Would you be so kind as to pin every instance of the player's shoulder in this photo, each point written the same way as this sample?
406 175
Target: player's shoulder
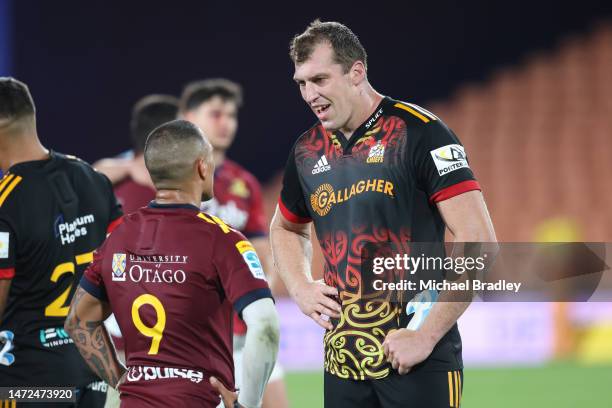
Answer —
412 114
76 165
213 223
27 181
219 228
421 124
310 141
11 186
311 134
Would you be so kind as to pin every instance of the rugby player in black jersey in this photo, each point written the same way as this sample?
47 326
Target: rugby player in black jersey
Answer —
55 210
372 169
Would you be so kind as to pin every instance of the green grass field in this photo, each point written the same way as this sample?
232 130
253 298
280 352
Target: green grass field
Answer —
559 385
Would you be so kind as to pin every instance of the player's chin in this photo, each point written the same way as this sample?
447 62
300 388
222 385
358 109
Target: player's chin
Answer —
329 124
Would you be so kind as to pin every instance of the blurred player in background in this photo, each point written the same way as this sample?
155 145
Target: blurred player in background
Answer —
213 104
55 210
171 275
136 189
372 169
128 172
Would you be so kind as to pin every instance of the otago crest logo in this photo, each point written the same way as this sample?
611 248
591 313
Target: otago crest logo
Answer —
324 196
118 266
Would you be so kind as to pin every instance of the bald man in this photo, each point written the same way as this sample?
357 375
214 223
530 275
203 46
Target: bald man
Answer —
172 275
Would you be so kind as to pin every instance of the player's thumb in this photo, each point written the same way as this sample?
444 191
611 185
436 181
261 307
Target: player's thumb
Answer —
217 385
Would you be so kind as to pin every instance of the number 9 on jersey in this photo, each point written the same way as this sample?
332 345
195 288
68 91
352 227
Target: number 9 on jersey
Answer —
155 332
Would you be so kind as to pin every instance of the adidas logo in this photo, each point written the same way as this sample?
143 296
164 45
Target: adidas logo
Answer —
321 166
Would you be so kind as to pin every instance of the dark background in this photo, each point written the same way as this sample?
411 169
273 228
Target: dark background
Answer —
87 62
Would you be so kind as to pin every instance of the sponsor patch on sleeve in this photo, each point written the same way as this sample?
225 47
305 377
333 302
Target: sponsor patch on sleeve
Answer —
449 158
250 257
4 245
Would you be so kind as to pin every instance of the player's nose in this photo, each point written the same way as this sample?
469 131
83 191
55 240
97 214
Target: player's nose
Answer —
310 93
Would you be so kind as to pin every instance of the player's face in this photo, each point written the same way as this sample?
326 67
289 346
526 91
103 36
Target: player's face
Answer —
325 87
218 118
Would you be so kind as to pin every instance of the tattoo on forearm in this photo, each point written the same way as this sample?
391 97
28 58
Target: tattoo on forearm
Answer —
94 344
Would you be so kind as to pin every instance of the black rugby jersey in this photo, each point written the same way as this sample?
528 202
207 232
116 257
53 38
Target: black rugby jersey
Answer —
379 186
53 214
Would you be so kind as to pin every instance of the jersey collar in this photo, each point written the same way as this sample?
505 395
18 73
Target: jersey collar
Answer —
45 164
153 204
364 127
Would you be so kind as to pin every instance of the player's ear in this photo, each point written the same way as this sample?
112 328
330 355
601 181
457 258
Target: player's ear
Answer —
204 168
357 73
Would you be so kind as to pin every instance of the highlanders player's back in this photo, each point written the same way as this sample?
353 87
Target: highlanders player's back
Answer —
173 276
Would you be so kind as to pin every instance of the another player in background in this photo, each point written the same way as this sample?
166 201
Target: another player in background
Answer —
171 275
55 210
127 171
136 189
372 169
213 104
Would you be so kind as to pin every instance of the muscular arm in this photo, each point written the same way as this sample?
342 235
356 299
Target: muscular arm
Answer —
467 217
260 350
292 253
85 324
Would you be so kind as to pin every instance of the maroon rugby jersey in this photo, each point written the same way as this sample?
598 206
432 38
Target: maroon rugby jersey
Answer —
133 195
171 275
238 200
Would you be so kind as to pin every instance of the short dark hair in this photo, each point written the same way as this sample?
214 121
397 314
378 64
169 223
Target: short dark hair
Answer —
147 114
171 150
197 92
347 47
15 99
